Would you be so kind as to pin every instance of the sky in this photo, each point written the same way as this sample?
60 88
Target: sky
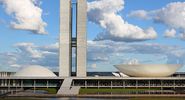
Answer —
118 31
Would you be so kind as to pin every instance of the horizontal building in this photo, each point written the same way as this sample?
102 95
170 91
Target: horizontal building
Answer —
6 74
154 85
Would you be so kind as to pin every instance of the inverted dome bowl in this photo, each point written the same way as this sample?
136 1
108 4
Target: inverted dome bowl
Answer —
148 70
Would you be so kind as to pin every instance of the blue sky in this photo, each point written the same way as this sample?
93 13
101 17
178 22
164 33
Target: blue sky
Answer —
107 44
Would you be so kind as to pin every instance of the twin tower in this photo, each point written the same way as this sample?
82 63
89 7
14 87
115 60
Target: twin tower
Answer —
73 18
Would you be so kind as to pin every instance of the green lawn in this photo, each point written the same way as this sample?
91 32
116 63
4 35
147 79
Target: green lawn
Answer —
159 98
21 98
114 90
49 90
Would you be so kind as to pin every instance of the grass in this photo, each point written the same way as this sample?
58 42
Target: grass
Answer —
22 98
159 98
114 90
49 90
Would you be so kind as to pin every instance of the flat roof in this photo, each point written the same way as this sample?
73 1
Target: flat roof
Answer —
100 78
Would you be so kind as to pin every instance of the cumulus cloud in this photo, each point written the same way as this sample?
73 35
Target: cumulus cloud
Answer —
27 15
93 66
27 49
170 33
170 54
172 15
132 61
30 54
142 14
98 57
105 14
100 54
182 36
15 65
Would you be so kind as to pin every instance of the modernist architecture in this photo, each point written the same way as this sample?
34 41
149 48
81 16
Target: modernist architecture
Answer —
145 80
148 70
34 71
67 41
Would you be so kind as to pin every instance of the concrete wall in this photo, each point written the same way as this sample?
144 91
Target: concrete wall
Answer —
65 38
81 37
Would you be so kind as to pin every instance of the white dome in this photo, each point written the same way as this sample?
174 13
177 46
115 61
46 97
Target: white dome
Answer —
148 70
35 71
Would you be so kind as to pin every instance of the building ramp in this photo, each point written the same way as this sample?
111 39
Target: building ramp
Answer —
66 88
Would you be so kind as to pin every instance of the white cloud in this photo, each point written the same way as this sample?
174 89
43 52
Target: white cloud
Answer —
15 65
26 14
172 15
30 54
132 61
142 14
93 66
182 36
97 57
102 53
170 33
105 14
110 49
28 49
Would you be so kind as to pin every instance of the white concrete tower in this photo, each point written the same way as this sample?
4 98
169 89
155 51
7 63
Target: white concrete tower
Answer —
65 39
81 38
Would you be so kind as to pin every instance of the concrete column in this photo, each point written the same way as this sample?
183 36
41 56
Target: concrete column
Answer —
161 86
123 84
111 84
16 89
21 84
85 84
65 39
2 82
81 38
98 84
47 84
8 84
73 83
174 85
34 83
13 83
149 84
